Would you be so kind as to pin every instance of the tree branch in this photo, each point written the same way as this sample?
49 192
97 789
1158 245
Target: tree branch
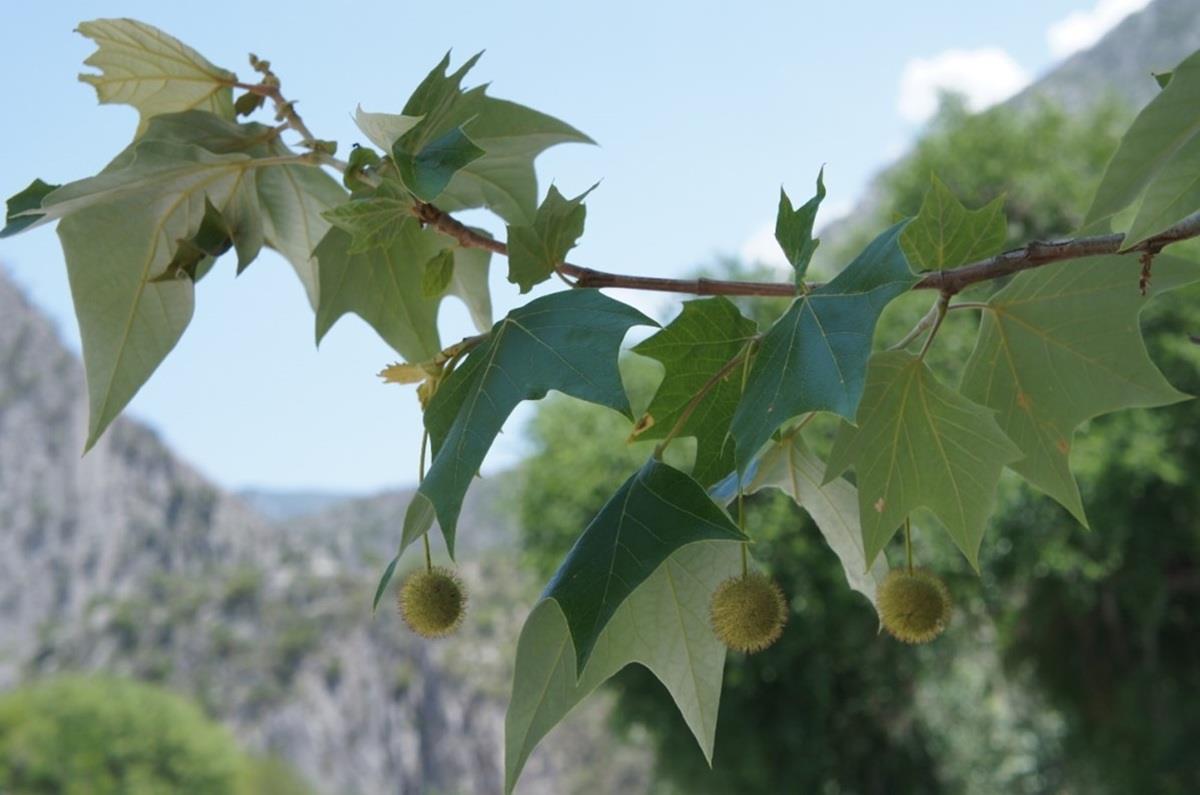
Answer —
948 282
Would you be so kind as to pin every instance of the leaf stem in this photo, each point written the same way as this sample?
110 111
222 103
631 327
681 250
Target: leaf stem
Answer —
940 309
908 543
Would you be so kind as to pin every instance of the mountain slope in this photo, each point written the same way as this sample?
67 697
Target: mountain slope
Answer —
128 561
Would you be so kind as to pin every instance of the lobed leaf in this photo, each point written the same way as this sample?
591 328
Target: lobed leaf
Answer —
945 234
654 513
920 444
794 228
789 466
535 250
815 357
511 136
692 349
567 341
663 625
155 73
1158 160
1060 345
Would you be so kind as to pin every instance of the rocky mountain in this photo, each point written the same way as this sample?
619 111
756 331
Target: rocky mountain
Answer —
127 561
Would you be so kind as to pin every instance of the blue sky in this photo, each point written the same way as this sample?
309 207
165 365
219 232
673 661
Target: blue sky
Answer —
701 110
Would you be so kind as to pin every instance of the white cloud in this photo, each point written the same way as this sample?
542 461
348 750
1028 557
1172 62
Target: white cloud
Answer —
984 76
1081 29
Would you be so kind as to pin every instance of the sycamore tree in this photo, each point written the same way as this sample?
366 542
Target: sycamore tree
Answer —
660 575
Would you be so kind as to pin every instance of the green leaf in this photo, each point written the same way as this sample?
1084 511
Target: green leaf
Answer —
662 625
155 73
383 582
382 286
946 234
536 249
128 323
794 228
706 335
20 204
815 357
469 283
654 513
1156 157
503 180
566 341
788 465
427 173
920 444
1162 78
372 221
1060 345
361 158
121 231
382 129
439 270
291 197
195 255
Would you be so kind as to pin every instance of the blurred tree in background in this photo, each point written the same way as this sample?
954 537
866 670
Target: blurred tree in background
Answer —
1073 664
96 736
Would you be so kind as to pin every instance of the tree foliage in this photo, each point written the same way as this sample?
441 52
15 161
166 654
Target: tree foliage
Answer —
196 182
96 736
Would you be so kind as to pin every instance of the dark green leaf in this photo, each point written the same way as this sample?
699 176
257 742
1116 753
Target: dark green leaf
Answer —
23 202
920 444
535 250
383 582
1162 78
815 357
946 234
438 273
248 103
195 254
427 173
705 336
653 514
794 228
566 341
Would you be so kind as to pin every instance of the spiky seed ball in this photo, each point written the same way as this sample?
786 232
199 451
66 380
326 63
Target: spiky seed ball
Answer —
914 605
748 612
432 602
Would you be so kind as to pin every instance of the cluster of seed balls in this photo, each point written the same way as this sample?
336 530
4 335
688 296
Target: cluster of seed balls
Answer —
748 612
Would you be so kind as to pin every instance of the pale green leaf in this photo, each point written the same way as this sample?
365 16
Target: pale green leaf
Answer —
155 73
1149 149
794 228
815 357
946 234
663 625
566 341
788 465
382 129
1060 345
692 349
536 250
372 221
382 286
469 283
920 444
655 512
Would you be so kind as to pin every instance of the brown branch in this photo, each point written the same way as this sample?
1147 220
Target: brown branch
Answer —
948 282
